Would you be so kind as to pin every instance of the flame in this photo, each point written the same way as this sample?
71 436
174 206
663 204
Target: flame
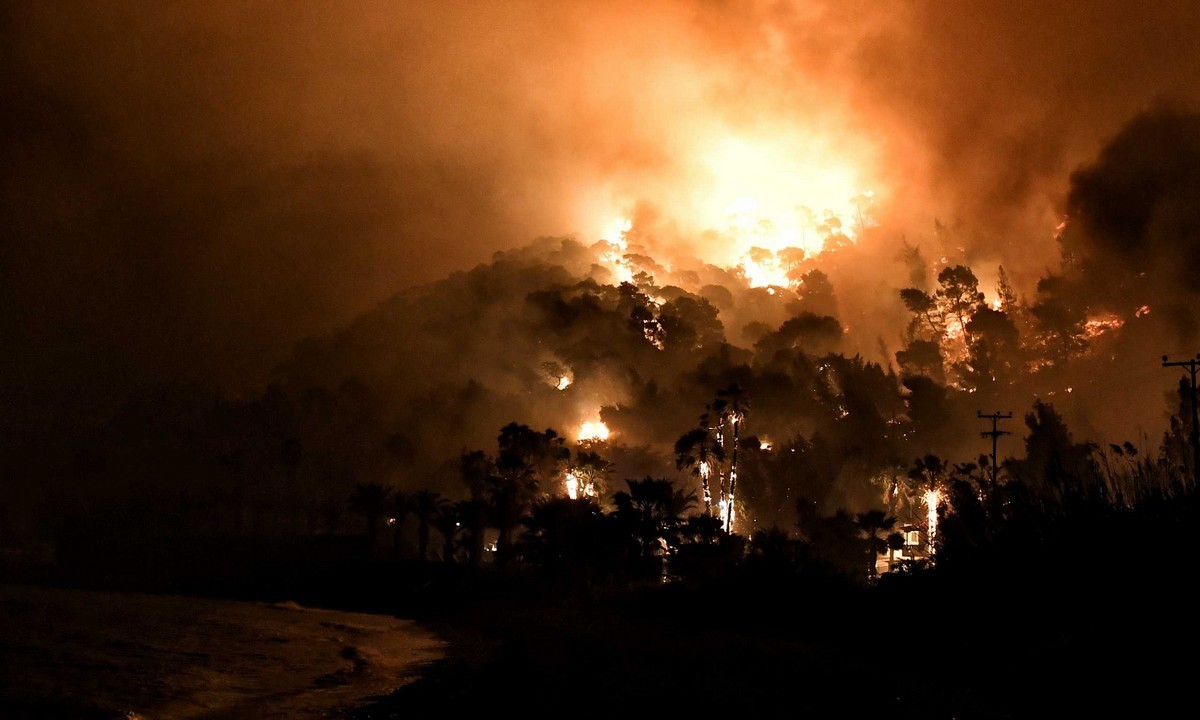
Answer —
578 487
932 498
764 445
593 430
773 190
564 382
615 232
705 469
722 505
1142 311
1100 324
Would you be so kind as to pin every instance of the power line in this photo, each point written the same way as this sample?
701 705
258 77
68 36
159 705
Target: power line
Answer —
994 433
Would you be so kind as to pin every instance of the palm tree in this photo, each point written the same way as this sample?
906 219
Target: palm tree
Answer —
652 511
371 501
473 515
871 524
526 458
590 471
701 530
426 505
564 535
697 452
510 491
449 524
401 508
733 406
928 476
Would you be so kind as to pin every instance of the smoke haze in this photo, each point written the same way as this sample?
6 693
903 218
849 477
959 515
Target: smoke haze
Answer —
188 189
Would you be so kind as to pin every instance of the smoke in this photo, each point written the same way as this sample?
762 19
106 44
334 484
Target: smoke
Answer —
190 188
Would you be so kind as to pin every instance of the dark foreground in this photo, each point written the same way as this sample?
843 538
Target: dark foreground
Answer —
70 653
1097 634
912 648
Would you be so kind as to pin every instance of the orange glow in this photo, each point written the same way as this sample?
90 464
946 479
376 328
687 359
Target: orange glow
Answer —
593 430
932 498
1100 324
756 195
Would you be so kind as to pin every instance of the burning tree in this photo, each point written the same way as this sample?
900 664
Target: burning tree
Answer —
699 452
731 407
588 473
928 479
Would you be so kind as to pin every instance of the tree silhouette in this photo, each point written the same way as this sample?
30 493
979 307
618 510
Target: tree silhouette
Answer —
570 538
652 512
526 459
591 472
371 500
400 507
426 505
697 452
448 522
872 524
958 293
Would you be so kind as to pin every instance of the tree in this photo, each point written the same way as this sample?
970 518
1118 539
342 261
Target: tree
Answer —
427 504
448 522
526 459
923 305
371 500
872 524
958 293
732 406
400 507
473 514
928 476
652 512
570 537
697 452
590 473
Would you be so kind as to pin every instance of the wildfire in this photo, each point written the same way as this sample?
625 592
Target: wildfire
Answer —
1100 324
726 505
933 497
613 256
615 232
576 487
593 431
772 198
1142 311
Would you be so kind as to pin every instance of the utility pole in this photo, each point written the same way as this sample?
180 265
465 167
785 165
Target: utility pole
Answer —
1192 365
994 433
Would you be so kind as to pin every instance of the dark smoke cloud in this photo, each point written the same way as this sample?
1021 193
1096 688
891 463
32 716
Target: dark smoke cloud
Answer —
189 188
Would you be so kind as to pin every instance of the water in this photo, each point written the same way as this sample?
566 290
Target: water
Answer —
87 654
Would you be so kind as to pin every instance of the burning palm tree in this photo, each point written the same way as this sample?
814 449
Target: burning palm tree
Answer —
698 452
732 405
